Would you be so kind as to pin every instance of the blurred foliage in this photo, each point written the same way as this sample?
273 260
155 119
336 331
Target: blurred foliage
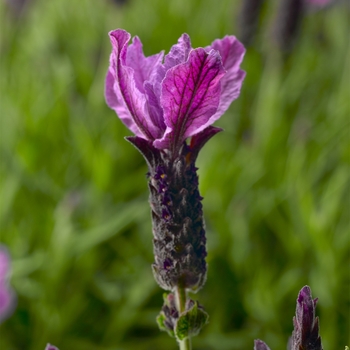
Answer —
74 210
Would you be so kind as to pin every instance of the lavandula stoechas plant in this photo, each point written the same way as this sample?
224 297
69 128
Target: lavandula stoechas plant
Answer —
164 102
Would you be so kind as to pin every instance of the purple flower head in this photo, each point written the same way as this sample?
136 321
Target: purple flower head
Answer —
167 101
306 329
7 296
51 347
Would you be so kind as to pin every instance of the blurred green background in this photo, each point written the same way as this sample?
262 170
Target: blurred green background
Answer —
74 211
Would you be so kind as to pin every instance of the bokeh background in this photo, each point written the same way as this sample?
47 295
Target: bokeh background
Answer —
74 212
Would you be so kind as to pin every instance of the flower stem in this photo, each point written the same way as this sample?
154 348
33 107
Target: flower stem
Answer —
181 297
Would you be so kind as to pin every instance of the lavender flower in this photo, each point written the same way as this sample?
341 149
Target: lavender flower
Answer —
306 329
51 347
260 345
7 296
168 102
163 104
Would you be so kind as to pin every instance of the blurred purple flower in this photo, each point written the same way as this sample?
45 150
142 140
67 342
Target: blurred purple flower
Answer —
167 102
306 329
7 296
51 347
260 345
319 2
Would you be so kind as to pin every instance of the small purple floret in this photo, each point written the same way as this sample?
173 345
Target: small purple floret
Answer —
168 100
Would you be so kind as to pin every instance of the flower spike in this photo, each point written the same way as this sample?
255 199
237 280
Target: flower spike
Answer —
306 329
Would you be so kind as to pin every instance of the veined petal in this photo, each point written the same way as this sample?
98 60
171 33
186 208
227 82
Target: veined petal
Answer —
145 70
121 92
179 52
116 102
154 109
232 53
144 67
190 96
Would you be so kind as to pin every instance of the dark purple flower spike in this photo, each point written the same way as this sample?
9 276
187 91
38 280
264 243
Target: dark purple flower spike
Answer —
306 329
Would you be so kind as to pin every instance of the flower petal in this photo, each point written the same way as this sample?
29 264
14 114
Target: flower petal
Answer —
232 53
121 92
118 105
144 67
154 109
190 96
179 52
145 70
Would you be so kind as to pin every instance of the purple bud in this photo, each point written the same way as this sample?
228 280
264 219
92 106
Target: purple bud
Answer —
306 329
260 345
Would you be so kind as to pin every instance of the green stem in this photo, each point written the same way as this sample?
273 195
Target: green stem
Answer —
181 297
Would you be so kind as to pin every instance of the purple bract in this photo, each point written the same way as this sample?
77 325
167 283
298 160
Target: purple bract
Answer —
167 101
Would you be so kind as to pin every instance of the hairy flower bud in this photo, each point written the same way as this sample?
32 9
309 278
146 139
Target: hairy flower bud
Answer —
177 216
306 329
178 227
